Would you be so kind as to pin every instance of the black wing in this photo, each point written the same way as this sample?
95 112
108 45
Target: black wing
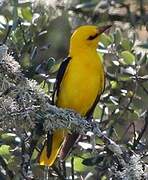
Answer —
59 77
89 113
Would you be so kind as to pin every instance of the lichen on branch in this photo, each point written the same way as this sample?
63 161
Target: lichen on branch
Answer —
23 104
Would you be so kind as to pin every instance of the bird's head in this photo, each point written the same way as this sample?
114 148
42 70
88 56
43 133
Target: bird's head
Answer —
86 36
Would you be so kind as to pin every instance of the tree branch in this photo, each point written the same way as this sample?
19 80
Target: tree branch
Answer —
25 107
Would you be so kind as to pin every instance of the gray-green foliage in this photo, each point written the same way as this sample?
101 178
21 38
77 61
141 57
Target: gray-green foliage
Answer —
37 34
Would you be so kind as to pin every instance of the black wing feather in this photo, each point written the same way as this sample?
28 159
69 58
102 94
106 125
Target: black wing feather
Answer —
89 114
59 77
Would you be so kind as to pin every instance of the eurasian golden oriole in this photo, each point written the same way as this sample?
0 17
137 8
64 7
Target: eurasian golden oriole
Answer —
79 84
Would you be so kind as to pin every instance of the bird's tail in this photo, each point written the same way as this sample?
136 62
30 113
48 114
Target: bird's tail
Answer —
69 142
52 147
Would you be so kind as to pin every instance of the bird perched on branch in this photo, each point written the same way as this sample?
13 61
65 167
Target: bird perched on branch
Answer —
79 84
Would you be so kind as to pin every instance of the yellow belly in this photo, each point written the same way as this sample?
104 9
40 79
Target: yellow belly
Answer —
82 82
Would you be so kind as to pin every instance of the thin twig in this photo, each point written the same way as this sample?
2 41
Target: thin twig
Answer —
60 176
62 167
23 33
46 174
102 114
72 168
136 141
142 11
7 34
24 168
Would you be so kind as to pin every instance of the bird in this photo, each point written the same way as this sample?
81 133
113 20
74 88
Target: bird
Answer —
79 83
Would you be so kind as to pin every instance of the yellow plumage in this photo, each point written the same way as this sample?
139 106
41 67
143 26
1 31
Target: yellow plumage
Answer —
58 136
82 82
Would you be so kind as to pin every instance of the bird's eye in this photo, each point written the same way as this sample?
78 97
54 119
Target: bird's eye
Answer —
92 36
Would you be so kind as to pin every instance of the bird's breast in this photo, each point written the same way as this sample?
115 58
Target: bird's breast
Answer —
82 82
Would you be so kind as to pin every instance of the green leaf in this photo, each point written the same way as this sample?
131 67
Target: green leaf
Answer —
34 155
126 44
26 60
44 86
50 63
104 178
105 39
128 57
113 84
78 166
117 36
26 13
124 77
99 141
97 113
14 163
78 163
92 161
55 67
5 151
8 137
